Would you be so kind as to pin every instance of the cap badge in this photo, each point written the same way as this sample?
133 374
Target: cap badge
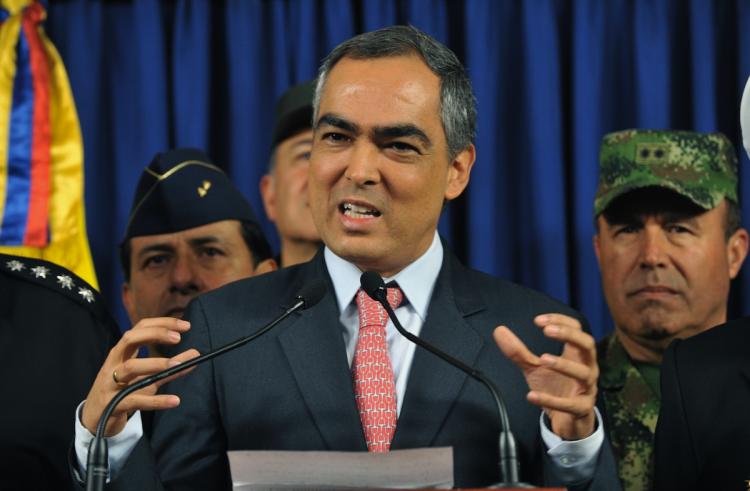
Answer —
203 188
652 153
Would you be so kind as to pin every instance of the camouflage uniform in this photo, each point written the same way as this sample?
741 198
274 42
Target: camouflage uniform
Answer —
631 408
702 168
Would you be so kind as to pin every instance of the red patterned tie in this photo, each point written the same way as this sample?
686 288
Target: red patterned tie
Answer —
374 387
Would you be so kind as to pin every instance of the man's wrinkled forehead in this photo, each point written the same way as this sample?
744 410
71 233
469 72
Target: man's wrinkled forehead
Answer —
352 76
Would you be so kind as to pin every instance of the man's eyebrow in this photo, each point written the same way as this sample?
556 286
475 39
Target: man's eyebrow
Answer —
201 241
382 132
336 122
402 131
155 248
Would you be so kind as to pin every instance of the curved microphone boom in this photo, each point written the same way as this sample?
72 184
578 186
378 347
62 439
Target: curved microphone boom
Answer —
374 286
97 460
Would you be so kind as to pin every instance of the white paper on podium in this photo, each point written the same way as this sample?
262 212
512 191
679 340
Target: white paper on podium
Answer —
254 470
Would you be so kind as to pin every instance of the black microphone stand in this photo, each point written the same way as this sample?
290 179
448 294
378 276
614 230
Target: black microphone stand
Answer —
508 465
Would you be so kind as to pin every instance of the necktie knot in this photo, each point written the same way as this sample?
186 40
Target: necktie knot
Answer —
371 312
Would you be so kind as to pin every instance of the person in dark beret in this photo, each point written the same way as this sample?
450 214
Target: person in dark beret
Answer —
54 335
284 187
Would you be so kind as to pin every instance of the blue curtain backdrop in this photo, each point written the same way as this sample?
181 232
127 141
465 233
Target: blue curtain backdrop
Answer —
551 77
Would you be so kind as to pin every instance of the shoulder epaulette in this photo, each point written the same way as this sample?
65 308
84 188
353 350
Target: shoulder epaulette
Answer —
53 277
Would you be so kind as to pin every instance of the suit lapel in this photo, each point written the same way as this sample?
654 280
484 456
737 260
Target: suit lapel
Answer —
433 384
314 348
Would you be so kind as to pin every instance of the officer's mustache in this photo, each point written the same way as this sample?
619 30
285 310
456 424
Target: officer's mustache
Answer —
654 281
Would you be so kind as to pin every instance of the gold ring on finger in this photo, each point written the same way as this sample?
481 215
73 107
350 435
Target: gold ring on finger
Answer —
119 382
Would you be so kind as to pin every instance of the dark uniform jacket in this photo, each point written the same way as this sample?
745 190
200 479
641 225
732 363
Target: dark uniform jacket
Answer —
292 388
703 434
54 335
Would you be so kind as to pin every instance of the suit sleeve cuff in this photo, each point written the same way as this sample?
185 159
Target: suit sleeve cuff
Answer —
119 446
574 460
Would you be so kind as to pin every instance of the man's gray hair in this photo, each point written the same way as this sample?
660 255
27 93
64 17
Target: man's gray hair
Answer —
457 104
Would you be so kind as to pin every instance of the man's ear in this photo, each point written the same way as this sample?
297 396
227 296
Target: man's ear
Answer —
266 266
737 246
459 171
268 194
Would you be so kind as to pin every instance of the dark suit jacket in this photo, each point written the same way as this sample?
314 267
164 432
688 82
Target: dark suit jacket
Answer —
52 343
703 434
292 388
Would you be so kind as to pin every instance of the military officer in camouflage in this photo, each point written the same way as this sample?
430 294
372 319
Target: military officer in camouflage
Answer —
668 241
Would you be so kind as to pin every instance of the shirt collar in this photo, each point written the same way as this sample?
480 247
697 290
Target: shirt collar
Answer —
417 280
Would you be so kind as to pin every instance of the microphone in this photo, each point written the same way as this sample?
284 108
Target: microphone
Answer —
97 459
374 286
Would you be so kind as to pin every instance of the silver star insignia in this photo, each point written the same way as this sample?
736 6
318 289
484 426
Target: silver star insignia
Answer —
15 265
65 281
40 271
87 294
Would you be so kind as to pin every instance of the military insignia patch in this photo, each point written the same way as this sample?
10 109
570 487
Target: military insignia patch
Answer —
203 188
40 271
15 265
87 294
651 153
65 281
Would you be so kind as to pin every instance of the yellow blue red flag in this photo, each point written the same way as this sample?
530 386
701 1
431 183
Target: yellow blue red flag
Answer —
41 151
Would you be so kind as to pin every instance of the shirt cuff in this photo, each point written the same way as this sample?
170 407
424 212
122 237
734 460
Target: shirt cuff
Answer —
575 460
119 447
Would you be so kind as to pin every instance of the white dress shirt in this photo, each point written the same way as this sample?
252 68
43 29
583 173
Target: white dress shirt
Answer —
575 460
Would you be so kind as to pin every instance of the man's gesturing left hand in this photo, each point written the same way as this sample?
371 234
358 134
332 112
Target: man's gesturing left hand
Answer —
564 386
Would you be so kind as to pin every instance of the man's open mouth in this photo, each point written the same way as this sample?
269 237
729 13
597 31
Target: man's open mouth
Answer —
354 210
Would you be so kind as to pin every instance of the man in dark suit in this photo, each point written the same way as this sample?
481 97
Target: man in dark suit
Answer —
54 335
393 140
703 429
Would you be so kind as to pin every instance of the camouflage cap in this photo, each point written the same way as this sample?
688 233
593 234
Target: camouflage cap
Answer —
700 166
